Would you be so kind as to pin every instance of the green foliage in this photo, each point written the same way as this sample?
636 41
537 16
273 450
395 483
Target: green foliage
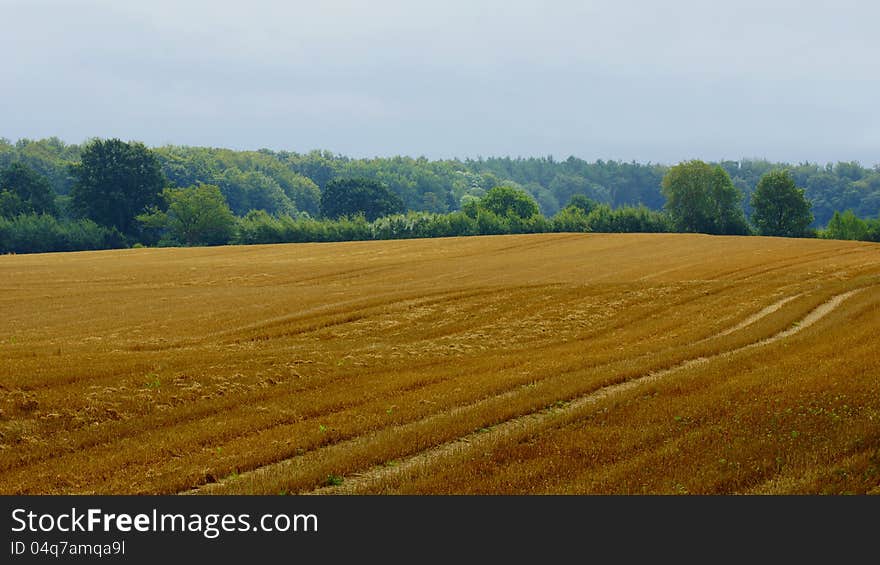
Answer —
333 480
11 204
197 215
248 179
566 186
285 186
441 186
349 197
575 216
603 219
509 202
547 201
872 233
421 184
701 198
583 203
259 227
51 158
24 191
470 205
571 219
846 226
533 224
115 182
780 208
423 224
610 182
153 382
253 190
42 233
490 223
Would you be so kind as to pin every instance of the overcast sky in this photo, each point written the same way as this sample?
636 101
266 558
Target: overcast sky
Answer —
631 80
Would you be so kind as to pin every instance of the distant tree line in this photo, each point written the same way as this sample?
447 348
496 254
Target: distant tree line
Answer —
110 193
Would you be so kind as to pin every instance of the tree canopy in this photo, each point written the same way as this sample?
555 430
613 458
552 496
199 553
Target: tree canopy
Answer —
444 185
701 198
846 225
779 207
582 203
350 197
508 201
115 182
24 191
197 215
281 192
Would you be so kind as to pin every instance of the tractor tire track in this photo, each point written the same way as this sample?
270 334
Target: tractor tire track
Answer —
482 440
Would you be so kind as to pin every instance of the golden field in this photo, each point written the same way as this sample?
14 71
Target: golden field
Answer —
552 363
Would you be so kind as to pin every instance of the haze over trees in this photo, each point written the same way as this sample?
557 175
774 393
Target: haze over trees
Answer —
440 185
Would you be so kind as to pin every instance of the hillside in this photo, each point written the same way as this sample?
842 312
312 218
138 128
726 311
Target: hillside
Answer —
561 363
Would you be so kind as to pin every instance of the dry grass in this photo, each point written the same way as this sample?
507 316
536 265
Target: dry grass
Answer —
270 368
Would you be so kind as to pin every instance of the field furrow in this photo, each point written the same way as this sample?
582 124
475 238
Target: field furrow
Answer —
290 368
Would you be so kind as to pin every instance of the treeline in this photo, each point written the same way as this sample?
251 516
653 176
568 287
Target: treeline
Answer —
282 182
109 193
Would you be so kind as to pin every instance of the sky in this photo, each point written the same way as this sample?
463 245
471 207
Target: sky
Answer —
628 80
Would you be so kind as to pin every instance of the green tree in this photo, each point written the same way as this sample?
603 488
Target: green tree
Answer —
198 215
353 196
779 207
564 186
873 230
304 193
253 190
575 216
115 182
582 203
508 201
701 198
10 204
846 226
24 191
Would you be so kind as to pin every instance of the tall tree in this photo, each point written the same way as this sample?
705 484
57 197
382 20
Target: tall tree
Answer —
24 191
780 208
348 197
115 182
702 198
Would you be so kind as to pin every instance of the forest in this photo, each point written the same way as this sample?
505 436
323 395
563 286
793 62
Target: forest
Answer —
56 196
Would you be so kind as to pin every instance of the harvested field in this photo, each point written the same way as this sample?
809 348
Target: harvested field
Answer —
551 363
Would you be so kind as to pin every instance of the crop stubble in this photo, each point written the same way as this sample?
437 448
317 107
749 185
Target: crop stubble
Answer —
271 368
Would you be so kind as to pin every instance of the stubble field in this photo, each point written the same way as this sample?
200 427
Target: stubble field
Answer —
552 363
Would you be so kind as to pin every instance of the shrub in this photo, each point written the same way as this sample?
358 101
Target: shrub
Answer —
42 233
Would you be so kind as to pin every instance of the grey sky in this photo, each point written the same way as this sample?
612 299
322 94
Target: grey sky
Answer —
649 81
